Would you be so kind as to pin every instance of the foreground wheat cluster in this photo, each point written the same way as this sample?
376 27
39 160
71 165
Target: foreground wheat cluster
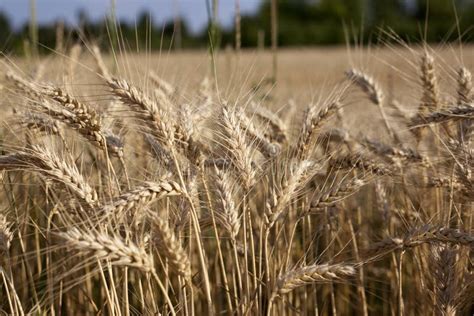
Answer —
163 202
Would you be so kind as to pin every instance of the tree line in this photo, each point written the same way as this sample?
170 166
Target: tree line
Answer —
300 23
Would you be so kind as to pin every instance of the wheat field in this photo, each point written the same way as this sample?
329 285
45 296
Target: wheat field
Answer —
176 183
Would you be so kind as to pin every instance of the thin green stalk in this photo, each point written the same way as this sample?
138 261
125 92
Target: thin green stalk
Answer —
33 28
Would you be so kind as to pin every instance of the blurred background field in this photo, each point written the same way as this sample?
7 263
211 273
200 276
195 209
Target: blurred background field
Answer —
305 75
185 24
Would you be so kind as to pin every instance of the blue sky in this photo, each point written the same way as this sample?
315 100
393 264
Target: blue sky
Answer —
193 11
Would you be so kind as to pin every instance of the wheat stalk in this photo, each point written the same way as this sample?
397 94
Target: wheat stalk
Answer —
162 84
103 71
465 97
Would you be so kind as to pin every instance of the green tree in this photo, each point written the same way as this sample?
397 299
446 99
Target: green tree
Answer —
5 31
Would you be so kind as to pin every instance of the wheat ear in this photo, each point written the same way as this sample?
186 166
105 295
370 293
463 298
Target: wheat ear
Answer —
169 246
54 168
367 84
27 87
74 113
391 152
335 195
85 120
40 123
313 120
105 247
455 113
239 150
361 163
142 196
318 273
423 235
229 216
278 199
156 120
443 266
430 100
